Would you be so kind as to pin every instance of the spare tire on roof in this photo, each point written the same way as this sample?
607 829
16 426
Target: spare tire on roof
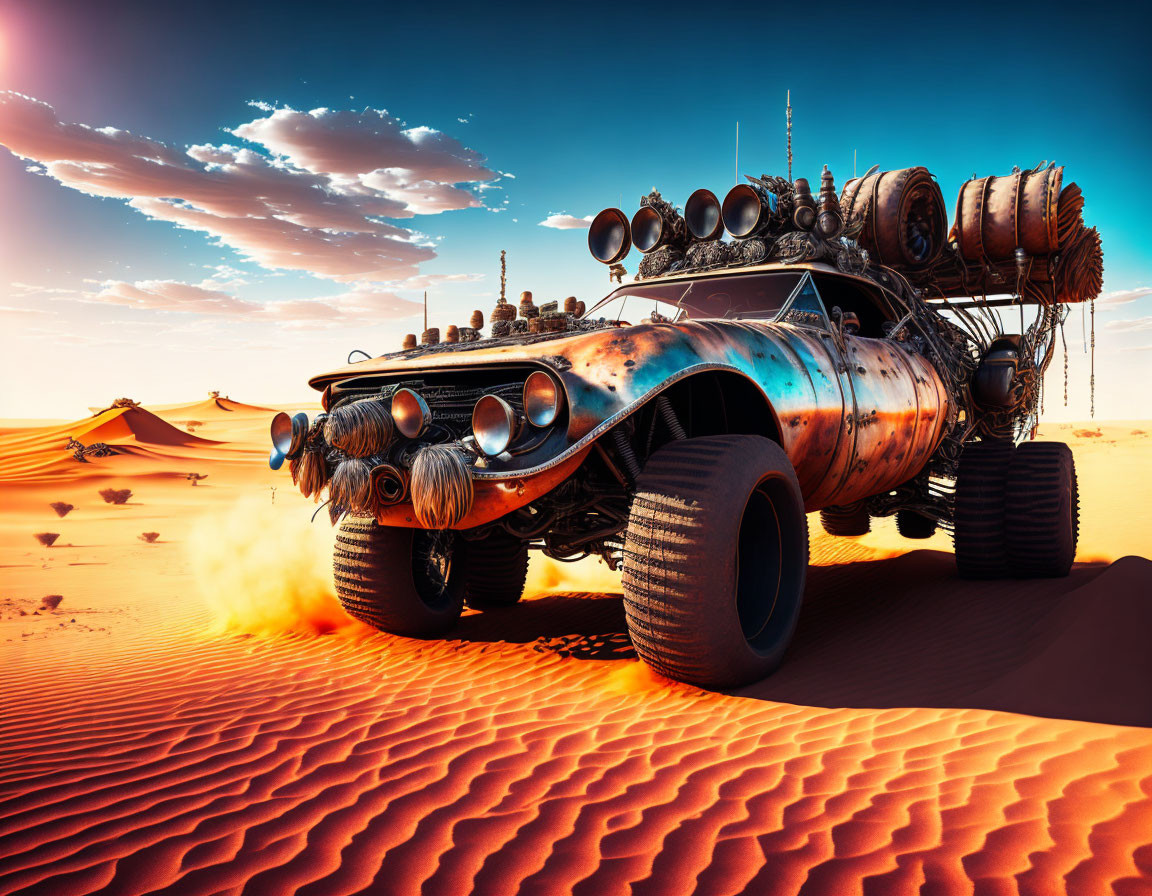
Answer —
899 216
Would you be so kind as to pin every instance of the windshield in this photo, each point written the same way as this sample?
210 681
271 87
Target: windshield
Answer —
748 296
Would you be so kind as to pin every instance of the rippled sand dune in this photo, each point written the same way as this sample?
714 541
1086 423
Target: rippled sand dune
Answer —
197 717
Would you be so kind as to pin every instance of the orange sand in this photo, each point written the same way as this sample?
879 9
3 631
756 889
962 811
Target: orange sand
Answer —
197 714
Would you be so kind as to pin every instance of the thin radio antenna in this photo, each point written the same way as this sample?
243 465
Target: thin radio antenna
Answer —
737 152
789 117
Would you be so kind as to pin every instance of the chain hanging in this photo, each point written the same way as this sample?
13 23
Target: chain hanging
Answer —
1092 378
1064 342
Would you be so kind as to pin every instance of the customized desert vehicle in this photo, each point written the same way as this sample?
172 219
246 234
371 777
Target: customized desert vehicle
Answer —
838 353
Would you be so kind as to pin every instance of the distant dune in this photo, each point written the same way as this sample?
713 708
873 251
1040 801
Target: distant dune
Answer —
926 734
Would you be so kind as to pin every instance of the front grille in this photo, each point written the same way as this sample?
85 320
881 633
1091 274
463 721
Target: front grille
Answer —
451 394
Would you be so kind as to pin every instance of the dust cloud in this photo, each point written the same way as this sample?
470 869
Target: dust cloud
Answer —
263 568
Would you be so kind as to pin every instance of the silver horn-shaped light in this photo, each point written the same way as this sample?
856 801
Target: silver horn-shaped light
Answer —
747 210
608 236
702 215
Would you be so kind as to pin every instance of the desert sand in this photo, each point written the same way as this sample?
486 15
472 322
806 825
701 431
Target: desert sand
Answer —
197 715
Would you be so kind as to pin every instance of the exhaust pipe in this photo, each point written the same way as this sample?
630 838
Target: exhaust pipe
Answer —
389 484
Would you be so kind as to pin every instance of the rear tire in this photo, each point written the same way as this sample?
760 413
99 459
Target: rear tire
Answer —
978 536
911 524
403 581
715 560
1042 511
850 520
497 568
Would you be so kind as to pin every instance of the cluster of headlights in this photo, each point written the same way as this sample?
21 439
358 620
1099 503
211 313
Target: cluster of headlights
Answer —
496 424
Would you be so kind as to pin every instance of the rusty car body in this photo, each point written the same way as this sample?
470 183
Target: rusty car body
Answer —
779 373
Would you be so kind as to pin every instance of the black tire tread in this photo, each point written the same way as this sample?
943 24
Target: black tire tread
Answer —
497 570
846 521
1042 510
372 569
672 567
978 534
911 524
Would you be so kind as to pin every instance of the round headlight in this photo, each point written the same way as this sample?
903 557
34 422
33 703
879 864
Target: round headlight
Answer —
494 425
410 412
542 398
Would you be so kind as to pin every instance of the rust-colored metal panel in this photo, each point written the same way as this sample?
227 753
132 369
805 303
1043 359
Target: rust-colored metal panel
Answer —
899 416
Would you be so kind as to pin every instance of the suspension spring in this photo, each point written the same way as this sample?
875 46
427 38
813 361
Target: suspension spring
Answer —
627 453
670 419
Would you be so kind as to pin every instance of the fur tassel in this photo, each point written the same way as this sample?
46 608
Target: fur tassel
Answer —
360 428
350 488
310 472
441 487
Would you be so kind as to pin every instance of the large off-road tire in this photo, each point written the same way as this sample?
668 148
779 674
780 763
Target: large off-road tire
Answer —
1042 510
978 534
715 560
497 568
404 581
911 524
850 520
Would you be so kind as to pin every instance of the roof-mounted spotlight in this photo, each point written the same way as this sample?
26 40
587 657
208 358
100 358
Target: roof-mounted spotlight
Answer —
609 239
748 209
703 216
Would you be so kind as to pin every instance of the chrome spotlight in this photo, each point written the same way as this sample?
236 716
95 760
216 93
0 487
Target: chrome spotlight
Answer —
495 424
702 215
411 413
747 210
608 237
543 398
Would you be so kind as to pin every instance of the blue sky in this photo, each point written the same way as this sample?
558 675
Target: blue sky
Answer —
584 106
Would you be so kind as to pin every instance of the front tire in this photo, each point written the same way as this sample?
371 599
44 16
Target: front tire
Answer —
715 560
399 580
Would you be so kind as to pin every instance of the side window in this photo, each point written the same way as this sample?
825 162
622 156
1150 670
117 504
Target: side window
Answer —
804 308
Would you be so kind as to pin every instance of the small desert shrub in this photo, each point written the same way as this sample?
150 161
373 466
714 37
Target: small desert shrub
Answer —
196 477
47 538
115 495
148 537
51 601
62 508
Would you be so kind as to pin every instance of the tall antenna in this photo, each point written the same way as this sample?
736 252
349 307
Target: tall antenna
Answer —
504 275
789 114
737 152
425 309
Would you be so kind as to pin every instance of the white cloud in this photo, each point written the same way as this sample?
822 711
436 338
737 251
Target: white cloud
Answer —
1134 325
1122 297
561 221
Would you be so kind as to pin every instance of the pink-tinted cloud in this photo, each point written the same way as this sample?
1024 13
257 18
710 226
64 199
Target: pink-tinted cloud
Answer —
566 222
314 202
362 304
